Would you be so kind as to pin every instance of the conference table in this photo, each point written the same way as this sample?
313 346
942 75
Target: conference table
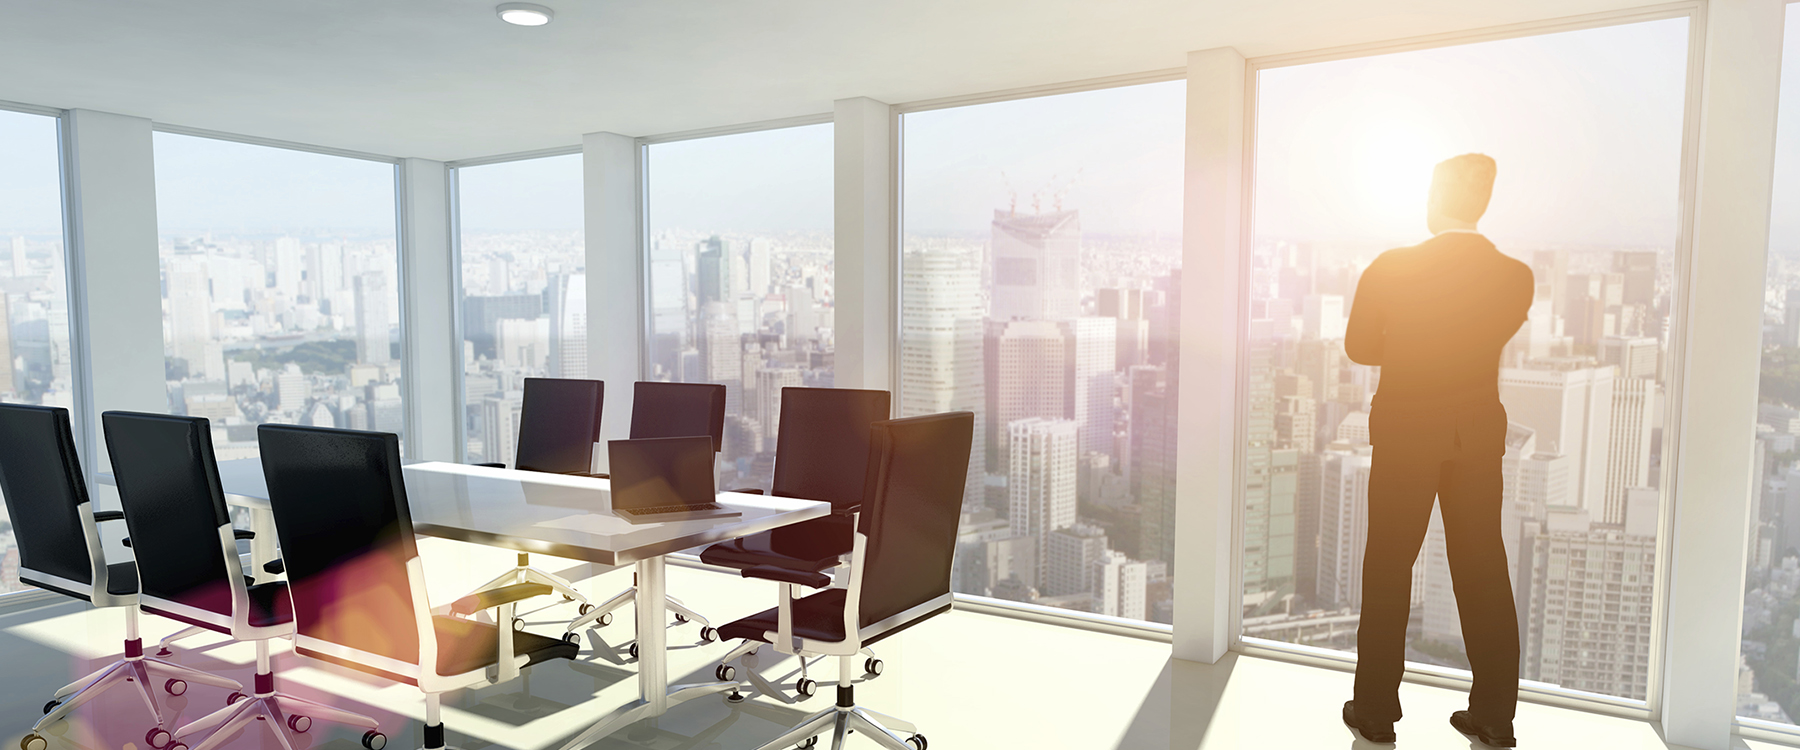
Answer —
558 515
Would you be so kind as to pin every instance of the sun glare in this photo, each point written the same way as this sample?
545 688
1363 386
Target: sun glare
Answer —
1392 160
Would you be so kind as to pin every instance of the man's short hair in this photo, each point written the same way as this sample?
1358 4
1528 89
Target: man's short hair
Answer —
1462 185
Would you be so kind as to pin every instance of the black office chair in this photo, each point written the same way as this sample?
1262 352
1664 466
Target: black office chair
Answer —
357 584
59 550
559 423
660 410
900 564
189 570
822 455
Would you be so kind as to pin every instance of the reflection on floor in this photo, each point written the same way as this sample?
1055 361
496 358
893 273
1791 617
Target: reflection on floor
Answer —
967 680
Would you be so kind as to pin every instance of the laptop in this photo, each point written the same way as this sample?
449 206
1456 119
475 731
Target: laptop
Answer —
659 480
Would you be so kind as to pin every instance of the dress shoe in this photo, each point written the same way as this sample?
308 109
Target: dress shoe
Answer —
1371 730
1492 736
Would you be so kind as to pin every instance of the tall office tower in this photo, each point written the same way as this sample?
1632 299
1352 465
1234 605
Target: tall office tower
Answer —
1324 316
1132 335
941 347
325 271
1093 371
1635 356
1071 554
769 382
1027 376
523 343
1343 523
292 389
386 412
569 327
1588 623
8 385
669 307
1153 461
1164 313
482 316
1550 269
1270 481
1296 413
372 333
289 263
714 272
499 274
1628 447
1571 412
1638 270
722 355
1036 269
1306 527
1323 362
1119 586
190 315
804 320
500 426
1041 479
19 269
757 258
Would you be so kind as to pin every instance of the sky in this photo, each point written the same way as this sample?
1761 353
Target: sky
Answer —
1585 127
204 184
30 197
532 194
769 180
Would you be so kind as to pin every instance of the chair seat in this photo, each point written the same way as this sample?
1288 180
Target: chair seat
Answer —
467 645
122 578
270 605
819 617
812 546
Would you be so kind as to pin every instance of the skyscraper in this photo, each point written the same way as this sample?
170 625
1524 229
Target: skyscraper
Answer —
1343 522
500 426
568 327
1036 267
1570 409
1635 356
19 269
941 347
190 314
715 272
1028 376
1628 447
288 266
1092 369
1042 479
372 328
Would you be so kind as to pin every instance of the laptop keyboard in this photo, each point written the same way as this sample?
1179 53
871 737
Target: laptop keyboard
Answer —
671 509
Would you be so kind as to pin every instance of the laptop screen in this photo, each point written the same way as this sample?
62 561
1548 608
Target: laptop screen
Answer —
654 472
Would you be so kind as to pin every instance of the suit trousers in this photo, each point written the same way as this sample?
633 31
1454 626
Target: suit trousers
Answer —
1455 457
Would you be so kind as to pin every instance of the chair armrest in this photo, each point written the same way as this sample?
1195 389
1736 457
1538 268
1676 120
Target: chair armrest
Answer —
748 491
592 474
243 534
109 515
849 512
788 575
491 598
274 567
491 466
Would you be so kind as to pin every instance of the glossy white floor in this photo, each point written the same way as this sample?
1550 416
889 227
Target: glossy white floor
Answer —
968 681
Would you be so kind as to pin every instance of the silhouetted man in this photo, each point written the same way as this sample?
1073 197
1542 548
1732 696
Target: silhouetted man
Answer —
1434 317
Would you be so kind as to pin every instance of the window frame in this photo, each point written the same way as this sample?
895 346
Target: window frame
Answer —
1694 11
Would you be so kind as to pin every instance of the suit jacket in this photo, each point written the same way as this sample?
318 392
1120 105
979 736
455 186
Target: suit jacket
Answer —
1434 317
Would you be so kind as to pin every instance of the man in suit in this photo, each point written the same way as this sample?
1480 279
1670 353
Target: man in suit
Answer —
1434 317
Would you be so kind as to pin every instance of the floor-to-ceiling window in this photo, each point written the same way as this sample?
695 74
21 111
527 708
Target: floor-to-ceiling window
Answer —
739 271
524 290
1586 128
1770 656
1040 280
34 291
281 288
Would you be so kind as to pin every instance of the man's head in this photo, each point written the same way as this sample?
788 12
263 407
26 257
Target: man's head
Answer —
1460 189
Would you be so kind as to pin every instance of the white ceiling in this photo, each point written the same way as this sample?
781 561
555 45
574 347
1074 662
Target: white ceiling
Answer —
446 79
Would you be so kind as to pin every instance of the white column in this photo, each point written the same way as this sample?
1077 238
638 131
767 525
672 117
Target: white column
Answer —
1719 371
615 276
1208 448
115 294
428 317
864 258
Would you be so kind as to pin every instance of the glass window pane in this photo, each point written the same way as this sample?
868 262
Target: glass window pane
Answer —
1586 130
34 292
1040 277
740 243
281 294
524 287
1771 633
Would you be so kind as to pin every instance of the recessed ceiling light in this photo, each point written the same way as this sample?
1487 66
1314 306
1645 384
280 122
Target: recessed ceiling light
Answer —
525 14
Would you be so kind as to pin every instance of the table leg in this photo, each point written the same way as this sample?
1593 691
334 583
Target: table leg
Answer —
652 635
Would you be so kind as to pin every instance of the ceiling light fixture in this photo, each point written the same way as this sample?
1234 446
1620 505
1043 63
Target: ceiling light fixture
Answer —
525 14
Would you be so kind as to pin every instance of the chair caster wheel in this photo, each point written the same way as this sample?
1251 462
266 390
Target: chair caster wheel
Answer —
806 688
584 609
158 737
811 742
374 740
574 638
175 687
299 723
234 698
917 741
176 746
518 625
604 620
51 706
725 673
708 635
33 742
680 619
872 666
567 598
634 651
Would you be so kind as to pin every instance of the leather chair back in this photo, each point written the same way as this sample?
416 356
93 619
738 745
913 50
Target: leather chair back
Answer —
823 454
660 410
169 489
910 511
559 423
41 479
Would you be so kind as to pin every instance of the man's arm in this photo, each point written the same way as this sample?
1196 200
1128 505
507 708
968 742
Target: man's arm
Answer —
1366 335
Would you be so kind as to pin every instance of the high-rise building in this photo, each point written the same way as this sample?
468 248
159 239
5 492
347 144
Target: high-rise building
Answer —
1120 585
769 382
1036 266
1324 316
568 327
325 275
1343 522
1628 447
1132 330
482 316
190 314
1296 413
1271 477
1071 554
1589 618
289 263
500 426
1638 272
941 347
1635 356
1027 376
1042 479
1153 460
1093 367
715 272
1570 409
372 327
292 389
19 268
722 355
